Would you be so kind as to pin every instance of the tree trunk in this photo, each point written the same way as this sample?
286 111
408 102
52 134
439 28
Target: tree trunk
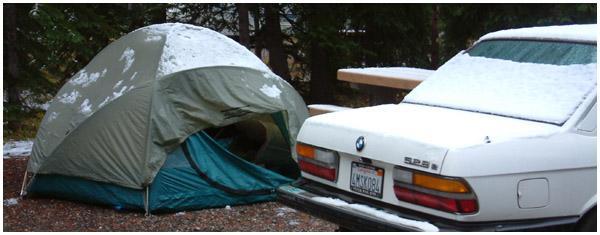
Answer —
159 15
274 40
135 11
12 59
258 41
321 86
244 24
435 55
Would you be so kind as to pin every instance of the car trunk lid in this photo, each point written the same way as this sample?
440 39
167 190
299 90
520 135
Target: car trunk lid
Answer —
411 135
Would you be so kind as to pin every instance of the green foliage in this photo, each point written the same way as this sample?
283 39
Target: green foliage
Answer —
56 40
464 23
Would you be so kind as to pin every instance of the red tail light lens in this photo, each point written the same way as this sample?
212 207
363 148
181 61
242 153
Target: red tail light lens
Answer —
316 161
328 173
436 202
441 193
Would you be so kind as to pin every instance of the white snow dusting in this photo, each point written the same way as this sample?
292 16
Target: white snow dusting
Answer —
118 84
119 93
129 57
84 79
417 123
153 38
270 91
133 76
328 107
188 47
11 201
281 211
541 92
69 98
17 148
104 102
563 32
424 226
52 116
293 222
86 107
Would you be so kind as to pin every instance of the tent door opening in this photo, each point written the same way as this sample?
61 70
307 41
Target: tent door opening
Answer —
262 140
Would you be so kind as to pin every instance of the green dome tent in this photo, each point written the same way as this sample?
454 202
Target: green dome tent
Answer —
169 117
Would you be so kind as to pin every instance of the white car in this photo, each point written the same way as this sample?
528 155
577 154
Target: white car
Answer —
501 137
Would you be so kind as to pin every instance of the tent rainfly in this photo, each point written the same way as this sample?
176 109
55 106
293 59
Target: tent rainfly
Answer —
169 117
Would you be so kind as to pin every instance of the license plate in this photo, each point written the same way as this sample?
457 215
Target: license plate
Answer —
366 179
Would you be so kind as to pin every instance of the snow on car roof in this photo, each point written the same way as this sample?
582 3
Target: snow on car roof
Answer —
585 32
539 92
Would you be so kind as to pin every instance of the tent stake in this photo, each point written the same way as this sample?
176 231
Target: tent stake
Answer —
23 185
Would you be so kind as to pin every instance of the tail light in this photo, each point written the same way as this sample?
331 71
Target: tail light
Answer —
441 193
318 162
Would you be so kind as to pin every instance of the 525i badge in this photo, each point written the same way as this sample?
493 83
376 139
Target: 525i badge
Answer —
420 163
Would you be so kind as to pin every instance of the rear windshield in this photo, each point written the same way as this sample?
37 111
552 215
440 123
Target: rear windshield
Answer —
540 81
539 52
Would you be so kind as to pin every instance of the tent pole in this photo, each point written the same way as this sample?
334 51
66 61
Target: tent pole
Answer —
23 185
146 202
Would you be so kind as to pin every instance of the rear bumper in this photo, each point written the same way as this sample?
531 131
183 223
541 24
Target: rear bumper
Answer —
299 195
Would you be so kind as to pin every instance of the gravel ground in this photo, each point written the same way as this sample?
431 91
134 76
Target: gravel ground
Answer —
45 214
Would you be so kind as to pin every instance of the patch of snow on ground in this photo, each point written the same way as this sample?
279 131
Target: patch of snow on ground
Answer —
69 98
103 72
394 72
281 211
427 227
227 207
86 107
17 148
541 92
11 201
128 56
188 46
270 91
293 222
180 213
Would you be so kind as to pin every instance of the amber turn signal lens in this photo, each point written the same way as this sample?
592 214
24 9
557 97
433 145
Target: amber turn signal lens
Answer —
305 150
439 184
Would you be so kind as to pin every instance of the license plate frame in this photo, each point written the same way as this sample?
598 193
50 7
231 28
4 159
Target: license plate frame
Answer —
373 189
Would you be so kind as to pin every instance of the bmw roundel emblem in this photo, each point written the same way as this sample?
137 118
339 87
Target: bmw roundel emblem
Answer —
360 143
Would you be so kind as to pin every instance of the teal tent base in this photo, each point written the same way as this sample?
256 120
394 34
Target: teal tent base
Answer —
78 189
209 176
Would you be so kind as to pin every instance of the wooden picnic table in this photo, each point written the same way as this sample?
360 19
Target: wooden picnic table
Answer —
380 82
392 77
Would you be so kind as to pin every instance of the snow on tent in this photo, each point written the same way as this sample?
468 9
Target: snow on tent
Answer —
169 117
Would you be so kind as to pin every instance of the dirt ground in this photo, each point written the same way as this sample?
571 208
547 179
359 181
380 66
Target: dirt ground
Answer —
46 214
